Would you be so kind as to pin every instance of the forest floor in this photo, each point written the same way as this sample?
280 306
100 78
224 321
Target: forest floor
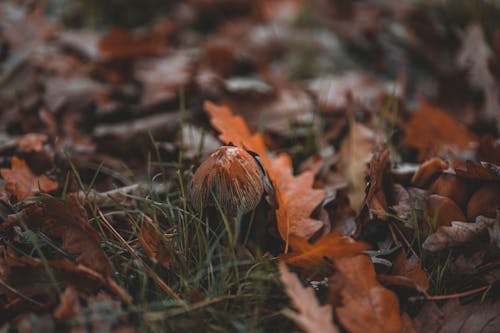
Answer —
361 194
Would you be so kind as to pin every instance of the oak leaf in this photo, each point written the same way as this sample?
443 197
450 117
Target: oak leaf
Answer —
23 183
433 132
66 220
311 316
305 254
366 305
294 195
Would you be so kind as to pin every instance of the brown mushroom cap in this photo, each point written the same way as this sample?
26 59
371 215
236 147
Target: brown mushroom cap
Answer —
484 201
234 178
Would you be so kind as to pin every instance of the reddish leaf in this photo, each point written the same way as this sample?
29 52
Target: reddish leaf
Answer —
149 236
295 196
406 272
32 142
375 199
366 305
311 316
434 132
67 220
120 43
69 305
331 245
23 183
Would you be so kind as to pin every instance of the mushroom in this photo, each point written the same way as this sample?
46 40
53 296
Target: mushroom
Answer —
230 178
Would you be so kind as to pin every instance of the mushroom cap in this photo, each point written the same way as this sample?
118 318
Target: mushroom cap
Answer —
230 177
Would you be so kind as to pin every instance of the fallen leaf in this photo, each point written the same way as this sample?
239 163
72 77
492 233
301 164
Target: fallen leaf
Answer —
294 195
149 237
406 272
355 153
66 220
479 170
475 57
296 200
434 132
120 43
163 78
32 142
333 245
460 233
311 316
29 277
428 172
69 305
375 198
23 183
366 305
478 316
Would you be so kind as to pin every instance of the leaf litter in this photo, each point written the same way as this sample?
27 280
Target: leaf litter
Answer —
375 125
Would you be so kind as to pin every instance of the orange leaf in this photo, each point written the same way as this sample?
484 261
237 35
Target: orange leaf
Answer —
305 254
366 305
23 183
311 316
295 196
433 132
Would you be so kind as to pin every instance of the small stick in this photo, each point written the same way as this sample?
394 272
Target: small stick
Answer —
450 296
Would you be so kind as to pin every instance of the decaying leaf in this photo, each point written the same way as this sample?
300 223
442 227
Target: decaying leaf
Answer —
355 153
406 272
67 220
460 233
453 317
149 237
311 316
332 245
366 305
23 183
69 305
375 198
296 200
434 132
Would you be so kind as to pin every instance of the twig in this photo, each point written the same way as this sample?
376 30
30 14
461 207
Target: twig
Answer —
450 296
102 198
13 290
148 269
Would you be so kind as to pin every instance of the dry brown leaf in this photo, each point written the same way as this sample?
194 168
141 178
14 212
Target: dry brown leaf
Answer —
366 305
434 132
478 316
460 233
331 245
375 198
120 43
149 237
428 171
23 183
294 194
311 316
355 153
29 277
406 272
32 142
69 305
67 220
